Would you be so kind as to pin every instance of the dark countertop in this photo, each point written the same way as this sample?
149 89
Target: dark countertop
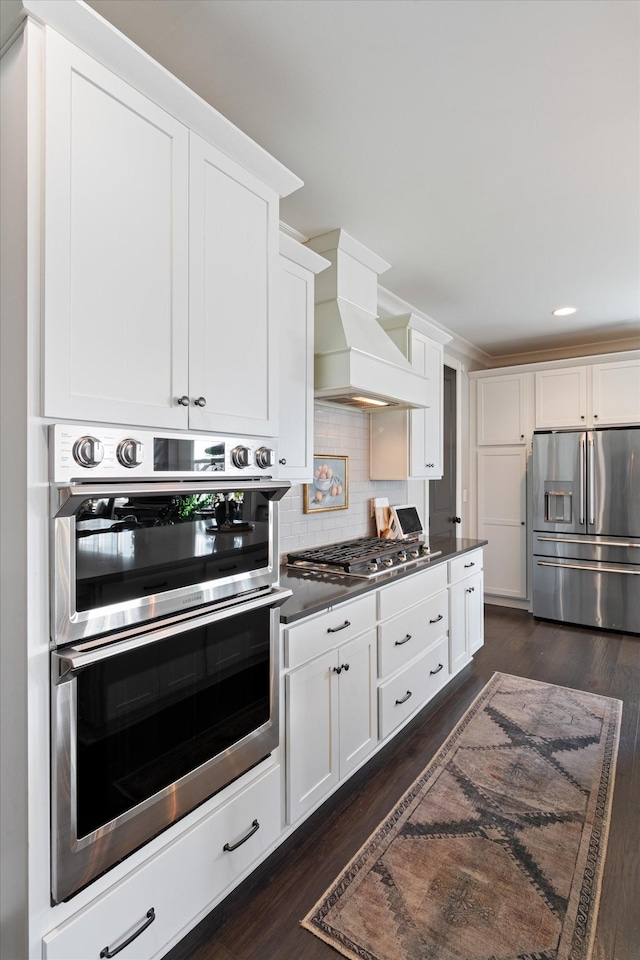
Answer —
314 592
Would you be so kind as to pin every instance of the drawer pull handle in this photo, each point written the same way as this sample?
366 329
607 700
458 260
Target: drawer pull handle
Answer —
437 619
432 673
467 565
404 699
347 623
398 643
107 952
234 846
337 669
470 589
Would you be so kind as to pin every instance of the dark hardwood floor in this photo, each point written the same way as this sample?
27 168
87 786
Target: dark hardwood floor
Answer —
260 920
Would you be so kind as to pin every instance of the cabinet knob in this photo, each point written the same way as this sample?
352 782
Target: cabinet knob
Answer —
183 401
582 416
456 520
283 461
200 402
522 436
595 416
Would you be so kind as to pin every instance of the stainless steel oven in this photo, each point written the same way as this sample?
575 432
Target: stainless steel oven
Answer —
164 623
150 724
148 525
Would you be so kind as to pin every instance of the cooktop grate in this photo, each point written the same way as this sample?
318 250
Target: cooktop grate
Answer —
350 554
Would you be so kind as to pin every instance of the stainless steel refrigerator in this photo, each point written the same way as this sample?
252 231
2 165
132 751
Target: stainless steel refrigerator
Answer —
586 527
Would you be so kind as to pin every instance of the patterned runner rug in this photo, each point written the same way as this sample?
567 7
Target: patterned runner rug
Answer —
497 850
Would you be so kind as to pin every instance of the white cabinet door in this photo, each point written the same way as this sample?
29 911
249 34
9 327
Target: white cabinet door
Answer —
561 397
312 733
474 612
616 392
466 608
116 248
502 409
233 355
459 653
426 425
411 444
502 506
358 705
298 266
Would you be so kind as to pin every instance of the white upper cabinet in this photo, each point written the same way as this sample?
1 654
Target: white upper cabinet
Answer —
561 397
502 415
161 258
116 248
298 266
588 396
616 392
410 443
233 356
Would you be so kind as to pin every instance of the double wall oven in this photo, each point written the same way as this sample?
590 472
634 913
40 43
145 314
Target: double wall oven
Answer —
164 624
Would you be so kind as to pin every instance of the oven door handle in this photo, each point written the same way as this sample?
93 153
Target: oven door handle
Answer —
69 661
67 496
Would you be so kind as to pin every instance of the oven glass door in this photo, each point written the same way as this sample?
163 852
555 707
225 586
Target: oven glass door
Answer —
125 556
147 728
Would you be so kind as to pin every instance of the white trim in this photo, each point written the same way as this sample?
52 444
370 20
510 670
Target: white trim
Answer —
299 253
389 304
81 25
459 368
551 364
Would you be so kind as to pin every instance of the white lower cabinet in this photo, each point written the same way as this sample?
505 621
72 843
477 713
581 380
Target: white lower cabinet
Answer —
413 686
166 893
466 608
413 654
331 720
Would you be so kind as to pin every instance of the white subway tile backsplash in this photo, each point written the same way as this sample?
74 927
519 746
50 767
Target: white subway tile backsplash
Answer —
341 433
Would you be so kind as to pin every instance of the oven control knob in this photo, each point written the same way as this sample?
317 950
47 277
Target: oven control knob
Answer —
372 566
265 457
402 556
88 452
414 554
388 561
130 452
240 457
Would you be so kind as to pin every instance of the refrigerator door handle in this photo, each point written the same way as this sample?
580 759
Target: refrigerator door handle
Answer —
595 543
605 568
583 477
592 494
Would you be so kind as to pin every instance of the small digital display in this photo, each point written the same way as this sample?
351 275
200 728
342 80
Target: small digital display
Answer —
175 455
408 521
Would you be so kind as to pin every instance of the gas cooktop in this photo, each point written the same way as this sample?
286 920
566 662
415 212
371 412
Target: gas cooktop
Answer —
363 557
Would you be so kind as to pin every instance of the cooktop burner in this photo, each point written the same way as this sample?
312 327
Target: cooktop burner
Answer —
363 557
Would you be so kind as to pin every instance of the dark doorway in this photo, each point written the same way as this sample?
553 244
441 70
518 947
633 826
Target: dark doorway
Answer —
443 521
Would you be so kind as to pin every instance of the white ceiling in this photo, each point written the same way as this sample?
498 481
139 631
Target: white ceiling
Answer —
488 149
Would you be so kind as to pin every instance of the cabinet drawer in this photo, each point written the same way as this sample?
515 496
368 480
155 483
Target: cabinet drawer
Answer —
313 637
407 691
465 565
410 633
178 883
396 597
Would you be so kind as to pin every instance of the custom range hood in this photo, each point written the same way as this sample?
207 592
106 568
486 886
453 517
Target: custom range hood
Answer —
356 362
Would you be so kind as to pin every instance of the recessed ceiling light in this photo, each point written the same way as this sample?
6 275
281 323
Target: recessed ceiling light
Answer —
564 311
